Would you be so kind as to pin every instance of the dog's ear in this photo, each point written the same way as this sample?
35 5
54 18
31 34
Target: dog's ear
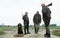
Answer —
19 25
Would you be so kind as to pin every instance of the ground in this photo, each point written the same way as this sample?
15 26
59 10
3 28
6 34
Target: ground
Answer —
10 34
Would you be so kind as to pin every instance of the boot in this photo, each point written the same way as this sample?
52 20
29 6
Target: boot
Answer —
47 35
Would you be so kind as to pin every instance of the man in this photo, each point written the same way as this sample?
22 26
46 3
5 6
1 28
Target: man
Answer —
37 21
26 23
46 18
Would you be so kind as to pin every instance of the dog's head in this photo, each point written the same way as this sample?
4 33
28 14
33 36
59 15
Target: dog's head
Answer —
19 25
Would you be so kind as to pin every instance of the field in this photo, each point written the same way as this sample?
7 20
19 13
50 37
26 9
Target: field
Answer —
2 29
55 29
31 27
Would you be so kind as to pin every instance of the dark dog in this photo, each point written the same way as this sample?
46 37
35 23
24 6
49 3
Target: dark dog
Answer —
20 31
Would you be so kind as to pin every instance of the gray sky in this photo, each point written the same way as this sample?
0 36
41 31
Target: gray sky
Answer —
11 10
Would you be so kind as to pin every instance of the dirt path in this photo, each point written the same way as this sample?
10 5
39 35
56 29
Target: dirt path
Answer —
10 34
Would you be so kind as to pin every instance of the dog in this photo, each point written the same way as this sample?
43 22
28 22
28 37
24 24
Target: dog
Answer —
20 31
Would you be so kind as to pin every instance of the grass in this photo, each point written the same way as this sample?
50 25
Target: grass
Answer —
2 32
56 32
31 27
2 29
7 28
51 27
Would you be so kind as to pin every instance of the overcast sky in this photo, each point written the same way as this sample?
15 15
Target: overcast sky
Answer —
11 10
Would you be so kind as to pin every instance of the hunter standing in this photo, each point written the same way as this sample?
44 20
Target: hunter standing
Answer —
26 23
46 12
37 21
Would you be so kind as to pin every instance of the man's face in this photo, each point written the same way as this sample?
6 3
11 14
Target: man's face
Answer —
37 12
26 13
42 5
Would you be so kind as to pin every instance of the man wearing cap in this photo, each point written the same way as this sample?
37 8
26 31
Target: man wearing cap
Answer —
46 18
26 23
37 21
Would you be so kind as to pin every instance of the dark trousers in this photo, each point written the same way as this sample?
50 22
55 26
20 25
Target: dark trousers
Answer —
47 22
36 27
26 28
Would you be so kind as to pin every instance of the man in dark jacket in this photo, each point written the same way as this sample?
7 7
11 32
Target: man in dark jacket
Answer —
37 21
26 23
46 18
